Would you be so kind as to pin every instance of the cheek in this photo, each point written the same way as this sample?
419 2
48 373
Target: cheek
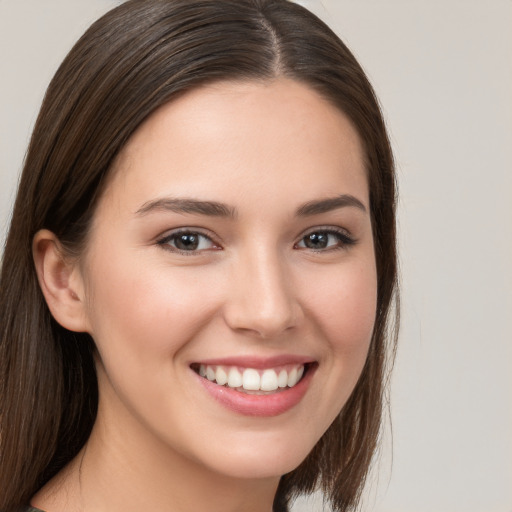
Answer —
343 306
145 313
346 307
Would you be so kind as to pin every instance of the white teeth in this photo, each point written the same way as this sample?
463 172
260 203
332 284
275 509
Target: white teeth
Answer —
292 378
221 376
210 373
250 379
234 378
282 380
269 381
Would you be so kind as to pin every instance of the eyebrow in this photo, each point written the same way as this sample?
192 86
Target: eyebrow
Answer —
216 209
186 205
329 204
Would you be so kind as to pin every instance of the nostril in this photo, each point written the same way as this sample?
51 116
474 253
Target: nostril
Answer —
264 303
265 325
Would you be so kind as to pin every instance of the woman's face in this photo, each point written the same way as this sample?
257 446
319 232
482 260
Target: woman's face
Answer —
230 253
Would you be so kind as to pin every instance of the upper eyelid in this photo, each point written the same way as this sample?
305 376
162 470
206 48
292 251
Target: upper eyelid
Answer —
326 229
195 230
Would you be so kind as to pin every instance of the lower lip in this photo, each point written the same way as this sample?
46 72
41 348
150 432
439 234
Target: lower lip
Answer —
259 405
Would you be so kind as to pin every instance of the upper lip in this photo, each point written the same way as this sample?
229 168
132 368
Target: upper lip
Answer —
257 362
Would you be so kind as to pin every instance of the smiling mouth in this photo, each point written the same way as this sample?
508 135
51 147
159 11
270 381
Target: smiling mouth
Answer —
251 380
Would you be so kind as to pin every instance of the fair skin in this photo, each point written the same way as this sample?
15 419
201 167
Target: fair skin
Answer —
271 277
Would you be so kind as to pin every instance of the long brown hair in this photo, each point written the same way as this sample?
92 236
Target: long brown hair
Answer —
130 62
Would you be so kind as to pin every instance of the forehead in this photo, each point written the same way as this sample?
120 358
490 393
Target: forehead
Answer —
232 138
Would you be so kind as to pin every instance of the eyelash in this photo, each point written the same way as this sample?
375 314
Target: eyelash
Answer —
164 242
344 241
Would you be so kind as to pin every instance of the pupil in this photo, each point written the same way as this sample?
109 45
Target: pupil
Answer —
317 241
187 242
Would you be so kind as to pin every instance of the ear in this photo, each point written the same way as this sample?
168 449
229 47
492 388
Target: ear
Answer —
61 282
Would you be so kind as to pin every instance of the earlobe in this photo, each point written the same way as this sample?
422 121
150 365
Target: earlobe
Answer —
60 281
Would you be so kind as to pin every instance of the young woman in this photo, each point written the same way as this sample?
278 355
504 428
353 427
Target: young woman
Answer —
200 270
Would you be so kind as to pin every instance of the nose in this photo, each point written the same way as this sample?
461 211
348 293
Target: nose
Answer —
262 299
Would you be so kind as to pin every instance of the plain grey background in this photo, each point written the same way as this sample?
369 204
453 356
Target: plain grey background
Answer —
443 72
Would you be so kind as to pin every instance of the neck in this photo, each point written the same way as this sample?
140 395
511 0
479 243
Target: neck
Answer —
117 477
122 468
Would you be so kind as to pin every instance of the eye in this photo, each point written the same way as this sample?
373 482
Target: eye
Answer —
187 241
325 239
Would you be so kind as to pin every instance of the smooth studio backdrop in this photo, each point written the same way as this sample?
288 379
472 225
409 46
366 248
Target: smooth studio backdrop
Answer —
443 72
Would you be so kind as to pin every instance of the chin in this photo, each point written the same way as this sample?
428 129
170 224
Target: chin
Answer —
260 460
